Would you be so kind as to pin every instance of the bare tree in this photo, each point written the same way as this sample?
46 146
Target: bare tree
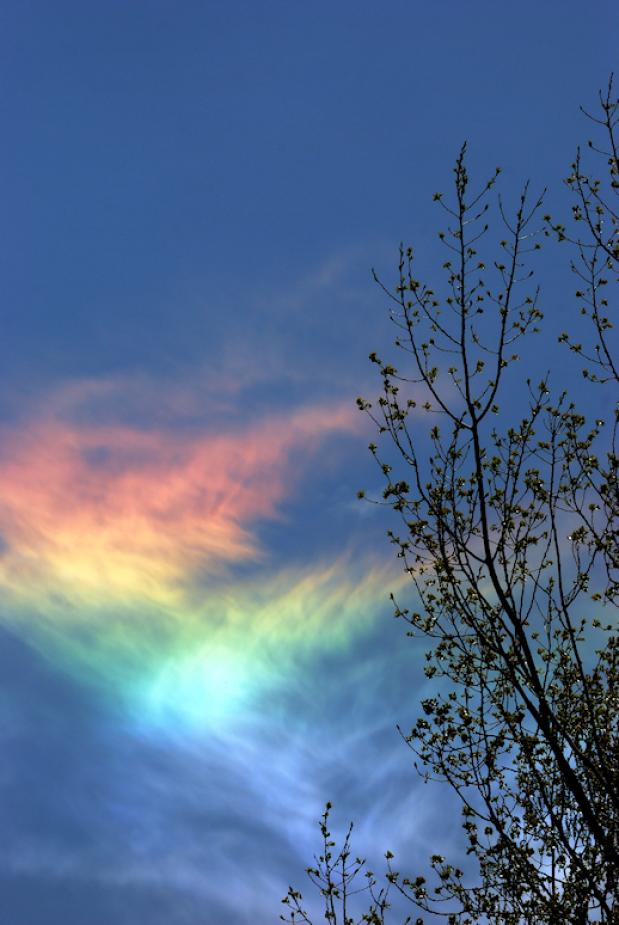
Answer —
342 881
508 529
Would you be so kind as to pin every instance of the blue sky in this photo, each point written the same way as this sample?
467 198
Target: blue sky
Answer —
196 642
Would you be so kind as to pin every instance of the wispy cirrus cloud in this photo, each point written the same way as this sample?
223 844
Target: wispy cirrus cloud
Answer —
134 562
132 555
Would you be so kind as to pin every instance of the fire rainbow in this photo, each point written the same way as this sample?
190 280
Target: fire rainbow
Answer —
130 561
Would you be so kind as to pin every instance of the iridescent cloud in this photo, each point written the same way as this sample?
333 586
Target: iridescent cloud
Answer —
120 548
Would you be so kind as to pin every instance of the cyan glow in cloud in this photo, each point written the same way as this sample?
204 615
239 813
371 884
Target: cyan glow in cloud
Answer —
120 547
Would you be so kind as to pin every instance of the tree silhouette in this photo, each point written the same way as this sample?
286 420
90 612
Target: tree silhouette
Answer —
508 529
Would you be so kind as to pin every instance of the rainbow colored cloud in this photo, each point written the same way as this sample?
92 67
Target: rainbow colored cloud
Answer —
120 549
